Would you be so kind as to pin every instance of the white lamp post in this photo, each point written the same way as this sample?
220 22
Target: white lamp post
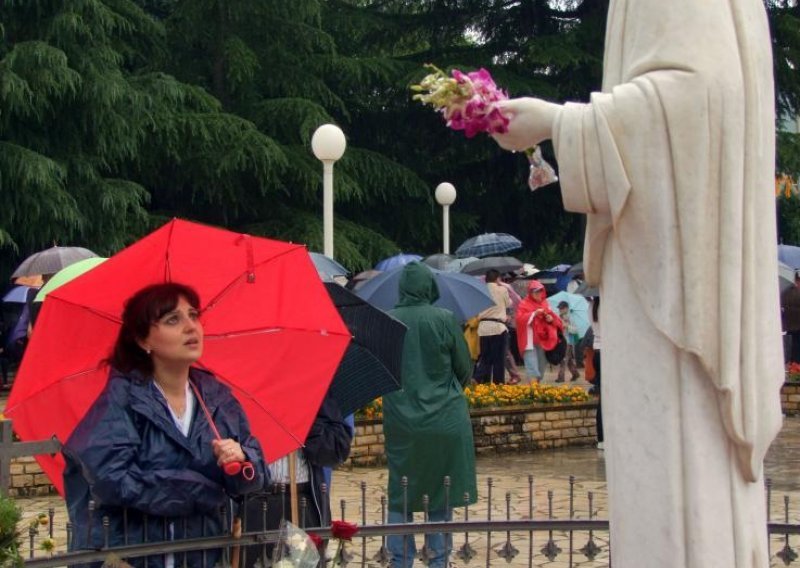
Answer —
445 196
328 145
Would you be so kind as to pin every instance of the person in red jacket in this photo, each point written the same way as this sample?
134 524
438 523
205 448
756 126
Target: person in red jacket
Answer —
537 329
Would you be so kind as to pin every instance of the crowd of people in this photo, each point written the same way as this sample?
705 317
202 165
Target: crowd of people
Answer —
524 331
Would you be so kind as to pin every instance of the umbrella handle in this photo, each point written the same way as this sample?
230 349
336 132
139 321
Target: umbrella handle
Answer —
245 468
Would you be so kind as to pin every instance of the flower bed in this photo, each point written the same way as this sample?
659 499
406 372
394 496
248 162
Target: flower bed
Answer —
793 373
499 396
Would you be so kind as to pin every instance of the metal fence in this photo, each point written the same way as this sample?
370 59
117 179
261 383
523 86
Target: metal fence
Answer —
532 537
530 526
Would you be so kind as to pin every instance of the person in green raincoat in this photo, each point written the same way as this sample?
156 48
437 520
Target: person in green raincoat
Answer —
427 429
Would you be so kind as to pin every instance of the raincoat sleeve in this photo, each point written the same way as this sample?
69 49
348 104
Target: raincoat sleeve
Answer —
236 484
105 445
328 442
459 352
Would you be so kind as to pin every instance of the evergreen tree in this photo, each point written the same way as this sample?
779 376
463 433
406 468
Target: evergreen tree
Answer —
272 63
530 47
92 136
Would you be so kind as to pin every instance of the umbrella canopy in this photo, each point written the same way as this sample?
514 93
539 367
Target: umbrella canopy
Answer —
785 276
361 278
396 260
554 281
50 261
464 295
459 263
488 244
587 291
561 267
502 264
66 274
17 295
439 261
578 309
576 269
327 267
371 365
271 333
789 255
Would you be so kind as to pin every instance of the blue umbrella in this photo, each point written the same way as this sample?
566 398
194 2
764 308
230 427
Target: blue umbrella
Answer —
464 295
488 244
396 260
326 266
17 295
789 255
578 309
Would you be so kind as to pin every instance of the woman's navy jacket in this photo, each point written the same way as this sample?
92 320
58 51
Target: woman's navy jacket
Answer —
128 456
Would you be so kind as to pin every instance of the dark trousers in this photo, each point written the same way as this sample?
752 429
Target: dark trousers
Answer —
278 508
795 356
491 363
599 417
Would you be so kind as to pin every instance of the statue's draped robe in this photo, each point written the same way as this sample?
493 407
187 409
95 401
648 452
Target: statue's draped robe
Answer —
674 164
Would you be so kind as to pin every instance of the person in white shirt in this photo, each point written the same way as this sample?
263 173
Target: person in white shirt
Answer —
493 332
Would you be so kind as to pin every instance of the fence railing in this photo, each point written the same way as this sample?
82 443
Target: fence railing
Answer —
9 449
525 527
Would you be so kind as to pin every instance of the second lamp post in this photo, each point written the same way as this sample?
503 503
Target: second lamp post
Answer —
445 196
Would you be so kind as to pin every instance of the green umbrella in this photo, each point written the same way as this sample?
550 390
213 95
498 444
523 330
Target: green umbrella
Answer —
66 274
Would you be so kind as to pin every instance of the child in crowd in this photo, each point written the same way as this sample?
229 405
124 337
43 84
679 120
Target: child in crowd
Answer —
571 335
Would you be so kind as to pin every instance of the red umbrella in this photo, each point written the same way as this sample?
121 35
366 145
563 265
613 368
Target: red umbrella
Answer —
271 333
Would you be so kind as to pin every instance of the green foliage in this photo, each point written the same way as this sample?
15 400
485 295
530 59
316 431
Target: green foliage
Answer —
789 219
10 516
93 137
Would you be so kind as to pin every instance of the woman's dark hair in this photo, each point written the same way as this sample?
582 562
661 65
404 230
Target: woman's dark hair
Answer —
141 311
595 308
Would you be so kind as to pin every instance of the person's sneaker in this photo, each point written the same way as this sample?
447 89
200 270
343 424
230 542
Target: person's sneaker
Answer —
601 446
576 377
560 380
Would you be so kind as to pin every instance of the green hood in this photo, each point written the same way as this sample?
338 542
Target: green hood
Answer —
417 286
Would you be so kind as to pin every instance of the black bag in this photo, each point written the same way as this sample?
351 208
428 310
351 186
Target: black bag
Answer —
557 353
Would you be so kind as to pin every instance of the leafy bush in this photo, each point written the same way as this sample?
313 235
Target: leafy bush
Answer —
9 535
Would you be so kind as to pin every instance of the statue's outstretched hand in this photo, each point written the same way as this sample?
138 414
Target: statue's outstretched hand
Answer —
531 122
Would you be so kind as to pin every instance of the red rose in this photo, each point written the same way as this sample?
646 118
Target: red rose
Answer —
343 530
315 539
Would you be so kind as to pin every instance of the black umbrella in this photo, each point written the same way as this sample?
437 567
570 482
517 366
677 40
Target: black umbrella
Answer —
371 365
502 264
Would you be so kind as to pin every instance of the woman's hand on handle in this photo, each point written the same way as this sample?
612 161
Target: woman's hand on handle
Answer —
227 451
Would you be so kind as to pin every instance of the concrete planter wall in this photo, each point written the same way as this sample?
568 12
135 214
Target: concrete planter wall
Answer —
498 430
790 398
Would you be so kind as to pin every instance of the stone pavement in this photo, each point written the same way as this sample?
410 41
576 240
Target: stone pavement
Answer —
551 470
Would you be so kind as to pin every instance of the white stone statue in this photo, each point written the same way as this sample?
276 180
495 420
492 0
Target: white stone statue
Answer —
674 164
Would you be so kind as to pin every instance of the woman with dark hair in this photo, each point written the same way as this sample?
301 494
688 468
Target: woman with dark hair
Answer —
146 453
